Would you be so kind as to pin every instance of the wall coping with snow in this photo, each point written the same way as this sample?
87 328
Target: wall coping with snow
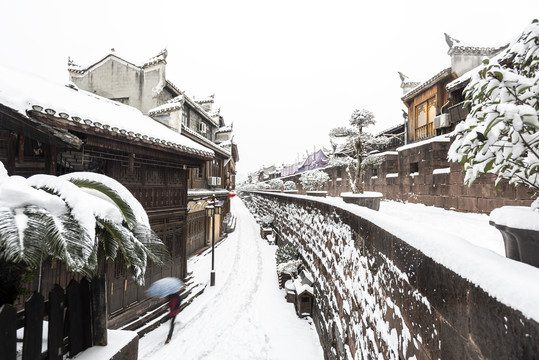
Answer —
383 286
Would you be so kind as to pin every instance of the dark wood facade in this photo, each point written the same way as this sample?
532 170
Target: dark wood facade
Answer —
156 174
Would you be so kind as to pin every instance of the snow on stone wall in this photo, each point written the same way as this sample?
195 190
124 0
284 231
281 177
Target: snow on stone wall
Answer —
348 278
378 297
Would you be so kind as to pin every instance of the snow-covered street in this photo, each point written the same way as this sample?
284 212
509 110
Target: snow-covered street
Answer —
245 315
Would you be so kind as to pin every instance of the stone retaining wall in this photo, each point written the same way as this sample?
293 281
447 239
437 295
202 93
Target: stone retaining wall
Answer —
421 173
378 297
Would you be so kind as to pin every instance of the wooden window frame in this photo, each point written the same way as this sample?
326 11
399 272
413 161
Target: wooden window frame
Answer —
426 130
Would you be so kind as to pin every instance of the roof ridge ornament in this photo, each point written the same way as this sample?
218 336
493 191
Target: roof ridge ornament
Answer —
450 40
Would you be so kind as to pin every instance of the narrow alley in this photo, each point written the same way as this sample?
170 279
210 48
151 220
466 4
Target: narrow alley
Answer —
245 315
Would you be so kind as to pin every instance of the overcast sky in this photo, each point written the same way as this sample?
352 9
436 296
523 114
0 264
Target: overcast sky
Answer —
284 72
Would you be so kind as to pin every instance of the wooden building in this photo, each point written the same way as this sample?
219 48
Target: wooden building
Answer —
52 128
145 87
424 103
431 111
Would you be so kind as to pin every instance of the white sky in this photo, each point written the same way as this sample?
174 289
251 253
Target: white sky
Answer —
284 72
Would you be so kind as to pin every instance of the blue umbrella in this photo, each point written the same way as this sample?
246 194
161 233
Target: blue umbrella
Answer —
164 287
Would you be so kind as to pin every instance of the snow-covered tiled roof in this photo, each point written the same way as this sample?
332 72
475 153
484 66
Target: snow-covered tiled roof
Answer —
423 85
201 193
393 128
224 129
171 105
475 50
201 110
440 138
24 92
209 143
461 81
174 87
205 100
160 57
215 113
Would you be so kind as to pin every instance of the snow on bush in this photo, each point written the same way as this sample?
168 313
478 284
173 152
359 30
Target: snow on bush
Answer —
248 187
286 253
276 184
313 180
267 220
262 186
501 133
290 267
290 185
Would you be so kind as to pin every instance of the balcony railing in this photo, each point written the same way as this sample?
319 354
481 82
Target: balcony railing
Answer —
425 131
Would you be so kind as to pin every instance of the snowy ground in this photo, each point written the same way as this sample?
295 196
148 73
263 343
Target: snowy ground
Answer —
474 228
245 315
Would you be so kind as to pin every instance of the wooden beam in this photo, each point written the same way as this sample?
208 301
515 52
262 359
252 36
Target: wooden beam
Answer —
11 151
50 159
42 132
20 153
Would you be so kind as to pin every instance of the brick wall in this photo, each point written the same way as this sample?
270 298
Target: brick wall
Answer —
438 182
376 296
422 174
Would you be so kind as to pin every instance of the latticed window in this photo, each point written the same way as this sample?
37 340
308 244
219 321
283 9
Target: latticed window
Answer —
424 116
199 172
216 167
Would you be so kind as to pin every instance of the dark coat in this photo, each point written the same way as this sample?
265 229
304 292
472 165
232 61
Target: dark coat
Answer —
174 302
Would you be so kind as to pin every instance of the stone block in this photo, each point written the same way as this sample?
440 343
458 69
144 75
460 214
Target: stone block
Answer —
505 190
428 178
443 146
456 177
499 331
441 179
407 259
381 240
486 205
449 202
422 321
468 204
522 193
428 200
447 293
454 345
517 202
456 167
405 179
456 190
438 190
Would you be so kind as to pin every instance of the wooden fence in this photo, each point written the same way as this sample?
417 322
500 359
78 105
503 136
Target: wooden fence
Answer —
68 317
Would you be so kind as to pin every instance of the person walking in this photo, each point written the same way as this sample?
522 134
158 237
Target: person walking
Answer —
174 302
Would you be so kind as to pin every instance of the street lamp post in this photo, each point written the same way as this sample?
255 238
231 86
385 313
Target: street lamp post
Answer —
211 210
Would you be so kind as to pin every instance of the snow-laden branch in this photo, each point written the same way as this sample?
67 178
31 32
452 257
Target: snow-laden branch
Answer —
501 133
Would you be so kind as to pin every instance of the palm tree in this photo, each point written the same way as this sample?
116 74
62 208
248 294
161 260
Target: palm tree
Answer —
71 218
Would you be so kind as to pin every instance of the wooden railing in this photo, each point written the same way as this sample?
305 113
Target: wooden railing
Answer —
72 333
425 131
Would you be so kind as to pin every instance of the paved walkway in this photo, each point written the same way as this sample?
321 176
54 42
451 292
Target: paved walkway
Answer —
245 316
